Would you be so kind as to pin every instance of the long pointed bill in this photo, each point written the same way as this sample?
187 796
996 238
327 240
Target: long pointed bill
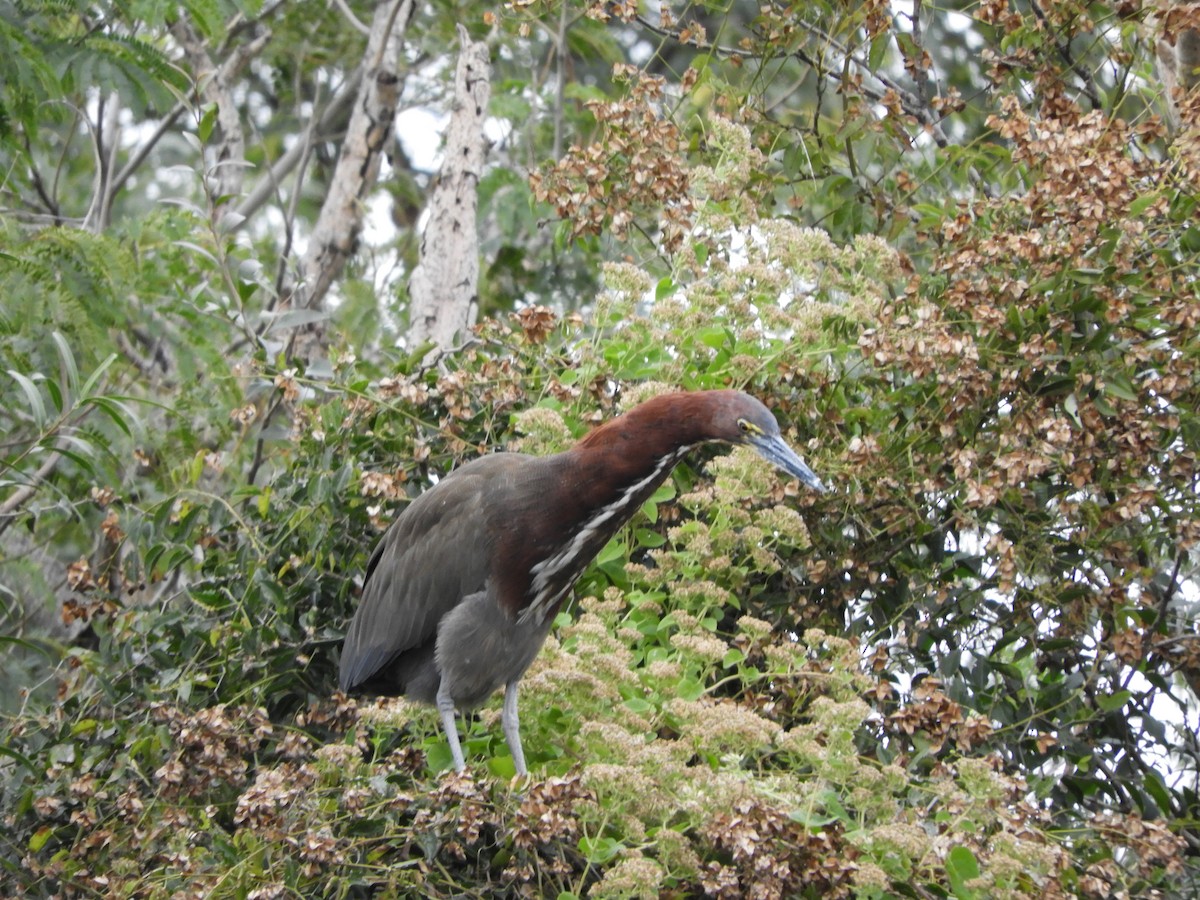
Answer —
773 449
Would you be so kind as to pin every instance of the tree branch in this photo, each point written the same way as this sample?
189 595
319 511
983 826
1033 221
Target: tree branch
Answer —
268 185
25 493
909 102
215 85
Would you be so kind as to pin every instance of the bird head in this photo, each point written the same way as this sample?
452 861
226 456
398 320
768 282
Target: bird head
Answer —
746 421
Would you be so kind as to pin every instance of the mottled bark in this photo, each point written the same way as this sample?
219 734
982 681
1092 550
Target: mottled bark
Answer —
335 234
443 298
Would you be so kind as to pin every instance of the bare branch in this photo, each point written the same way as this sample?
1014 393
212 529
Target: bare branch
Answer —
105 145
268 185
139 157
215 85
26 492
355 22
221 76
1089 88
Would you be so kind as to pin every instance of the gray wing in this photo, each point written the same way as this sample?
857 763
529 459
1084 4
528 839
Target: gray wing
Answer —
435 554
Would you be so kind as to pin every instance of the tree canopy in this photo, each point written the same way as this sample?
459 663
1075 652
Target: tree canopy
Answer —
956 250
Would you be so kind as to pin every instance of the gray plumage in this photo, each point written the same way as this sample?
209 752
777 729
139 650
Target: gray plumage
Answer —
460 593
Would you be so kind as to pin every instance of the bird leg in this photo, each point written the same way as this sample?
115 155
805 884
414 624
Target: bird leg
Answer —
445 705
511 727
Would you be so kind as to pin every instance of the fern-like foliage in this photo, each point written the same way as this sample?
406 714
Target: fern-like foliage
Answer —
66 280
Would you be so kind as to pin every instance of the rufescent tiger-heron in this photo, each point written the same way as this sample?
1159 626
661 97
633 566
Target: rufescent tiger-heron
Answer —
462 589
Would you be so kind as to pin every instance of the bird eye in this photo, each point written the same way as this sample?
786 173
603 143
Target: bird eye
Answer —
745 426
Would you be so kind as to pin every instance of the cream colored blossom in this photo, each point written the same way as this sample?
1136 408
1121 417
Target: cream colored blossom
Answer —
543 431
636 876
706 647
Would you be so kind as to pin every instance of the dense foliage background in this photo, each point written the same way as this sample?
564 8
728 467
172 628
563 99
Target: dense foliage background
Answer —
954 247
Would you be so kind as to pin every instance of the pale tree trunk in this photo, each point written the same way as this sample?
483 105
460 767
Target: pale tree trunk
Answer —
335 234
443 299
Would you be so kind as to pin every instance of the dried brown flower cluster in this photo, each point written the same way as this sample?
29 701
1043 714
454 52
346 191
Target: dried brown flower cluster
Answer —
636 165
210 746
771 856
536 322
545 825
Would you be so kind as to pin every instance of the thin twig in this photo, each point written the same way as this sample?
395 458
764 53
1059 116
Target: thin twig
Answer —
270 183
560 48
289 219
1064 50
910 103
139 156
355 22
22 495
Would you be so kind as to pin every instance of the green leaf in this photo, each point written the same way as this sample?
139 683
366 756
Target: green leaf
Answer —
833 803
1088 275
14 755
1119 386
689 689
1157 789
1190 240
1143 203
666 491
25 644
613 550
38 839
97 374
196 467
1105 408
437 755
811 820
121 415
647 538
69 366
502 767
600 850
879 49
1112 702
208 121
961 867
650 511
33 397
714 336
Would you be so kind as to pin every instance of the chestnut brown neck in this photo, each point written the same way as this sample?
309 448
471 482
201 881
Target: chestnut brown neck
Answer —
589 492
